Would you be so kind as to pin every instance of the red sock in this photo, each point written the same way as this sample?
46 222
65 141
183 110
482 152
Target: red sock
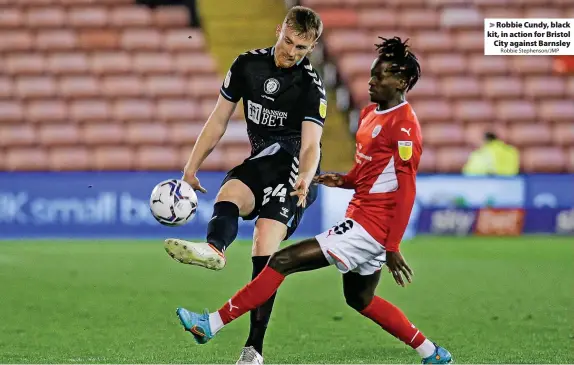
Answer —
251 295
394 321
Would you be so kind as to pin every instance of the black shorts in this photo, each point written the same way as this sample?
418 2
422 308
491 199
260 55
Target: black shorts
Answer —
271 179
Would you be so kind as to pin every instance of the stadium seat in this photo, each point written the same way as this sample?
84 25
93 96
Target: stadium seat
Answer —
35 87
131 16
17 135
26 158
184 133
58 134
121 86
544 87
563 134
190 62
45 17
89 110
443 134
15 40
46 110
110 63
529 134
491 65
428 160
104 133
215 160
87 17
55 40
557 110
141 39
151 63
431 110
515 110
97 40
69 159
11 18
473 110
446 64
24 64
167 85
171 17
452 159
113 158
6 87
147 133
78 87
178 109
460 87
156 158
133 109
503 87
543 159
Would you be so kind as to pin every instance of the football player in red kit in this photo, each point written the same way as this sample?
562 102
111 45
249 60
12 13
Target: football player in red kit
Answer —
388 150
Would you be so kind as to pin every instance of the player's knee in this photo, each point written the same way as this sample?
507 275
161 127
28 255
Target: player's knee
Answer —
358 301
237 192
283 262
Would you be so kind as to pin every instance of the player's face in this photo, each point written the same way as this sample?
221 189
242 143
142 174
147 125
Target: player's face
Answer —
290 47
384 85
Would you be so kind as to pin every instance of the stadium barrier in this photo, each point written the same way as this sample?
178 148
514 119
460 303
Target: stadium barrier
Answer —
116 205
492 206
105 205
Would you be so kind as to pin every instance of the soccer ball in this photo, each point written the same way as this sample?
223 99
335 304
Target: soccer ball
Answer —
173 202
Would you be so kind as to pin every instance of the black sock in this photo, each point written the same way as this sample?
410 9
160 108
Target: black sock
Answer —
259 316
222 228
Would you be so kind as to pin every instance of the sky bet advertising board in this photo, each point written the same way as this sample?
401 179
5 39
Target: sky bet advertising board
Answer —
116 205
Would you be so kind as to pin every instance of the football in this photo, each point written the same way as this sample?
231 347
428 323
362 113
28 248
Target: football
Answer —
173 202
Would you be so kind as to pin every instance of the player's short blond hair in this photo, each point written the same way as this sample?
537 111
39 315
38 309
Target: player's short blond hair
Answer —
305 22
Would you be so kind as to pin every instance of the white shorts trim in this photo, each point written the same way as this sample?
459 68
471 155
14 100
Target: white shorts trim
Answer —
350 247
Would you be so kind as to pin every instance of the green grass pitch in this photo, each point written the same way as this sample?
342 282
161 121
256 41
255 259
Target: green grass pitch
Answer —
488 300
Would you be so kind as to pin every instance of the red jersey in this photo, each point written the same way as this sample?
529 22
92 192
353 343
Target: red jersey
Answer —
388 150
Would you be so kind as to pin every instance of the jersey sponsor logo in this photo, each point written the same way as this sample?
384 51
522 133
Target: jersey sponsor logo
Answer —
263 116
405 150
323 108
227 79
376 131
271 86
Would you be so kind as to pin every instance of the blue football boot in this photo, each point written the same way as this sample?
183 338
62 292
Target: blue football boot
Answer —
440 356
197 324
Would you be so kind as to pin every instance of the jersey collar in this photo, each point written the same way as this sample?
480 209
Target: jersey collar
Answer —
390 109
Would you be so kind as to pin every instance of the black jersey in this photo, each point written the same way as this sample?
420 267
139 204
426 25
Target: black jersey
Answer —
276 101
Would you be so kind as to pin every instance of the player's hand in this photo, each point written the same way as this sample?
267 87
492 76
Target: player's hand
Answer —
398 267
301 190
192 180
331 180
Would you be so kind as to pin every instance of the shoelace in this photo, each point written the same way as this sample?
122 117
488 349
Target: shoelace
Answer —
247 355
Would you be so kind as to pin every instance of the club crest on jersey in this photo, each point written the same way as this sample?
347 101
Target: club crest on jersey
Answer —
376 131
323 108
405 150
271 86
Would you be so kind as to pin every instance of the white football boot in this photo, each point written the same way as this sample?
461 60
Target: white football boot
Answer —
250 356
200 254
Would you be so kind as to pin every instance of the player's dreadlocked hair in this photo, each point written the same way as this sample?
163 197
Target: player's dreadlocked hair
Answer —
404 61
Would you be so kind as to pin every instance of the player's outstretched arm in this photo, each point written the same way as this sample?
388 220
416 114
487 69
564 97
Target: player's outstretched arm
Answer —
407 145
210 135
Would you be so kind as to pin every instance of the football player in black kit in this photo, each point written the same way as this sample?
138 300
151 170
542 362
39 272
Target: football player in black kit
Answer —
285 106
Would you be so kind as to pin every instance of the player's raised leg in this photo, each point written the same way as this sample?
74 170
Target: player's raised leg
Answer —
234 199
359 293
303 256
